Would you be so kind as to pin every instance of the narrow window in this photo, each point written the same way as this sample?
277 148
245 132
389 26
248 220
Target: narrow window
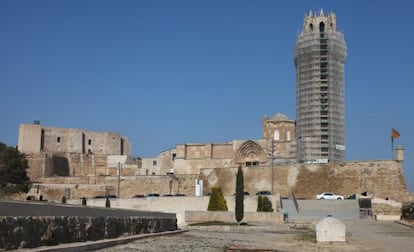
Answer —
276 135
288 135
311 26
154 162
322 27
173 156
58 139
90 141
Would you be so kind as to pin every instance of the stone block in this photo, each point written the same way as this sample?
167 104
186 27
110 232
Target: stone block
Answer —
330 229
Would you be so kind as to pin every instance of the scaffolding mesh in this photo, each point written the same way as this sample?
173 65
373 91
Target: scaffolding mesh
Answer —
319 57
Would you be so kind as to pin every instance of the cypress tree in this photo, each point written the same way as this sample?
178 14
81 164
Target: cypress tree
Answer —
239 195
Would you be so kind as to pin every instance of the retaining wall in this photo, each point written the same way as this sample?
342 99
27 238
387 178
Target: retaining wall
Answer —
23 226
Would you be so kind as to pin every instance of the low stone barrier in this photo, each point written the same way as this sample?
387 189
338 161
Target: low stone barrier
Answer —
30 232
383 217
34 224
223 216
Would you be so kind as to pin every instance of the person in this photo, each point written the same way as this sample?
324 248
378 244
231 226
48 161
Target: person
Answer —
285 215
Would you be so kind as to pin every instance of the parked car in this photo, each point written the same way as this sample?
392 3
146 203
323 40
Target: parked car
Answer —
329 196
244 193
263 193
153 195
138 196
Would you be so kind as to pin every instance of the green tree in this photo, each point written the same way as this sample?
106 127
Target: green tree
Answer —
264 204
259 204
217 201
239 207
13 176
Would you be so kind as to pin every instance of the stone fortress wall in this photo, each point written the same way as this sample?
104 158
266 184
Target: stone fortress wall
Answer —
35 138
382 179
174 171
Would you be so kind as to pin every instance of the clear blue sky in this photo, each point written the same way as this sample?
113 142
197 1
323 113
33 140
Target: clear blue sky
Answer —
168 72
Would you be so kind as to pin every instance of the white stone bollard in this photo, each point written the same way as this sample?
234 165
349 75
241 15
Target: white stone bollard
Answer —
330 229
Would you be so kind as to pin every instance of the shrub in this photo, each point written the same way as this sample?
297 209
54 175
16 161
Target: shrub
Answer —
217 201
264 204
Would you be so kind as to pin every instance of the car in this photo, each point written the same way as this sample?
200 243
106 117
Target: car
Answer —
245 193
329 196
263 193
138 196
153 195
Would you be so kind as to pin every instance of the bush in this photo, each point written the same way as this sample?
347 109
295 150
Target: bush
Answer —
217 201
264 204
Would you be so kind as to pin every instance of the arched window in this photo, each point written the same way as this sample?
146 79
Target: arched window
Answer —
276 135
321 27
288 135
311 26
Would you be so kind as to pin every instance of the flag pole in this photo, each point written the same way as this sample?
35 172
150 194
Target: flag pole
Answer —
392 146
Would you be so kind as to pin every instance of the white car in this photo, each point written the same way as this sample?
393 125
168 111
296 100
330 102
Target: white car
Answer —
329 196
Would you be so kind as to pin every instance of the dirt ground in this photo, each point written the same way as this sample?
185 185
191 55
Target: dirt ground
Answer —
362 235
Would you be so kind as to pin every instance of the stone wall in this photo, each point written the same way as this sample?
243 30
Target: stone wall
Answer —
267 218
384 179
30 232
37 138
89 186
43 224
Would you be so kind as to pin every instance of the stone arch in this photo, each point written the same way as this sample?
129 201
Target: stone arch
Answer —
250 152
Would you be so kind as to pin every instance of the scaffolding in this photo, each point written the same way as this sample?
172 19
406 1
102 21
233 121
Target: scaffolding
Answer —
319 58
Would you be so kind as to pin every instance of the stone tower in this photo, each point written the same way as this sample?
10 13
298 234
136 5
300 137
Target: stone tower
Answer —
279 132
319 57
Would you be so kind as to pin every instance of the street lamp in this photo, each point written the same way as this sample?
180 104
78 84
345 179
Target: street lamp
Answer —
119 179
272 147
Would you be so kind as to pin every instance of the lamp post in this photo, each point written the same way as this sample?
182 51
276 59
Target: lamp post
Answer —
119 179
272 147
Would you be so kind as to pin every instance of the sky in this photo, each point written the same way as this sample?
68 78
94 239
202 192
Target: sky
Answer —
163 73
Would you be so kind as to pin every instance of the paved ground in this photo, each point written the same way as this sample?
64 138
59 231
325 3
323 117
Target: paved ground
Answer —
362 235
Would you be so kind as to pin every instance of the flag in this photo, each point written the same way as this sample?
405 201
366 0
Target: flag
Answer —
395 134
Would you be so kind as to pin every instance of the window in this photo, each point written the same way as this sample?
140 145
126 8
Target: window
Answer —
288 135
154 162
276 135
89 141
322 27
254 163
173 156
58 139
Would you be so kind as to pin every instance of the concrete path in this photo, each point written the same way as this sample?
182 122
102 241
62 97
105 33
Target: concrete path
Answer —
318 209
